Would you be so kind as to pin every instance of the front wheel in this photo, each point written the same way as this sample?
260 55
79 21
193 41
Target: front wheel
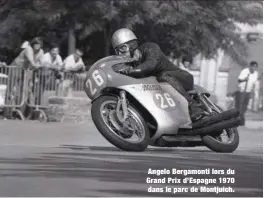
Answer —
103 113
225 141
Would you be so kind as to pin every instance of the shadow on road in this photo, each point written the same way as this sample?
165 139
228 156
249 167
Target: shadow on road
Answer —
115 166
253 152
112 148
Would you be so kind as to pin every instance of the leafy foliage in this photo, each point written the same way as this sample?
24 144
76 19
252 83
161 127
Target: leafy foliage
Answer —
184 27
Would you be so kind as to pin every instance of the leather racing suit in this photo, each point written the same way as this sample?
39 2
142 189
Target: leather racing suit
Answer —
155 63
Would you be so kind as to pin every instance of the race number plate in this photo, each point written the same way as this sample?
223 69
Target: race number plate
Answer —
95 82
164 101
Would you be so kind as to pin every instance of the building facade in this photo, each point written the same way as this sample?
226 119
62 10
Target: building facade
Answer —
219 76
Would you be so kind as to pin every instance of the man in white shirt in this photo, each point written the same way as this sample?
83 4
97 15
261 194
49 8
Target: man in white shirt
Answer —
247 81
74 62
52 59
185 63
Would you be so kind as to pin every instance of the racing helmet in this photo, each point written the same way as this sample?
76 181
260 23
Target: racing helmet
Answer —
122 41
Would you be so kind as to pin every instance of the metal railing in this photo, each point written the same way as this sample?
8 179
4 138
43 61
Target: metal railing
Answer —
21 88
13 81
43 81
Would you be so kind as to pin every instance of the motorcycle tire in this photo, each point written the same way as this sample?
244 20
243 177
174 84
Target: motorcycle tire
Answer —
108 134
221 147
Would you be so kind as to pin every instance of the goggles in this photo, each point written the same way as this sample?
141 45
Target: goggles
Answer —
122 49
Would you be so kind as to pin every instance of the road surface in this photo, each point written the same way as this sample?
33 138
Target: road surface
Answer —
38 159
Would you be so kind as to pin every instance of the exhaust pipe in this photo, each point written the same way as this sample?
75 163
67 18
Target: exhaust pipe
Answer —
233 113
226 124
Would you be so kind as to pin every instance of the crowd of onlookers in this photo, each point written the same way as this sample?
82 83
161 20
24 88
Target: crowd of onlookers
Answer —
33 65
33 56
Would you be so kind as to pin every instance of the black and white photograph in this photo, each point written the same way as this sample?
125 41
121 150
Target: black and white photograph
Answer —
131 98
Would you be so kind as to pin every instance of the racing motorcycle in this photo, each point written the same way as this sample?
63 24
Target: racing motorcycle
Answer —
133 113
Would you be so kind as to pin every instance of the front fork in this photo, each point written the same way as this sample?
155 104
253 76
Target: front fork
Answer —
209 105
122 103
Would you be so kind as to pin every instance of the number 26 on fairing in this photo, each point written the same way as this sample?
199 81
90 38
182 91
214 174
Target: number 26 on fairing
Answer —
97 78
165 100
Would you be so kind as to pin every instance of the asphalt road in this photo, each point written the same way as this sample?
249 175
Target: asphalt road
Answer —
41 160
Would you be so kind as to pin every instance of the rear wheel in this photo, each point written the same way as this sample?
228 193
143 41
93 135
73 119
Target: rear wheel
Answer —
225 141
131 135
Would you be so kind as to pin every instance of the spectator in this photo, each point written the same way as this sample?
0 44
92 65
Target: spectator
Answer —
31 54
247 82
186 63
52 59
73 63
46 75
29 57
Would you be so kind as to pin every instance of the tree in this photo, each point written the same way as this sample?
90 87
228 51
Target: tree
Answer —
185 27
202 26
22 20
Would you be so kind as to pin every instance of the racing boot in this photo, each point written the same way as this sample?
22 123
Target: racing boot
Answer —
196 112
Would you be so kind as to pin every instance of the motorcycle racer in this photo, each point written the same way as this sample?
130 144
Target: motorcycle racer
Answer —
153 62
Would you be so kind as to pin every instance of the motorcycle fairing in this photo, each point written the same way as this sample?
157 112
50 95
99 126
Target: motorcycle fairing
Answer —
170 118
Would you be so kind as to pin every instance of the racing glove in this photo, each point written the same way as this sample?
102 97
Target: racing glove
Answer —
130 71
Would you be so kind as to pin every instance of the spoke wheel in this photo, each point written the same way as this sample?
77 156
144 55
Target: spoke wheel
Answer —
129 135
131 130
225 136
225 141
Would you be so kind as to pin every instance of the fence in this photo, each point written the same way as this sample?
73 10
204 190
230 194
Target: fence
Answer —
24 93
13 90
